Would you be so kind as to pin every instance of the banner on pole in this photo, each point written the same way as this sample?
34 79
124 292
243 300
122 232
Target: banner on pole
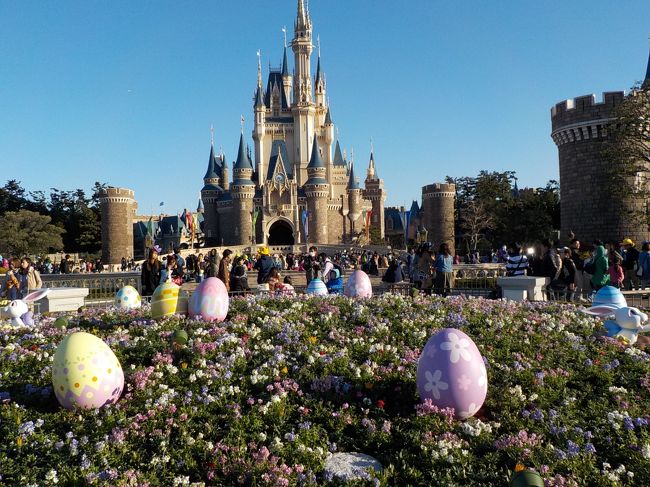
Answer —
305 229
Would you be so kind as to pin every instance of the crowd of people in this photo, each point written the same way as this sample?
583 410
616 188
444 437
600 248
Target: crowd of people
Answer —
425 269
577 271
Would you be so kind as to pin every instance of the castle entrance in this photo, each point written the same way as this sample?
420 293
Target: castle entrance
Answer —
281 233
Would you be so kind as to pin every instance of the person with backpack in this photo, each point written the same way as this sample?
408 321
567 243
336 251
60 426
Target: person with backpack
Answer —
327 265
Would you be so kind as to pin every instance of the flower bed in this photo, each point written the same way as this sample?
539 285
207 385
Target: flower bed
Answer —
262 398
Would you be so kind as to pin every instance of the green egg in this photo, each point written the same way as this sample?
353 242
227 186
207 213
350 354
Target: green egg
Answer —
61 322
527 478
180 337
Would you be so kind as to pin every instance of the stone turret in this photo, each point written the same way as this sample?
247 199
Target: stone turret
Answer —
118 208
438 202
317 190
354 202
243 192
210 194
376 194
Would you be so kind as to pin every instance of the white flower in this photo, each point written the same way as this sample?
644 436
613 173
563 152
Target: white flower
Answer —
458 348
434 385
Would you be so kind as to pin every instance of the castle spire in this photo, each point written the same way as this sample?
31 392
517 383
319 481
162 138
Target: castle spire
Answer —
352 182
647 73
243 161
259 68
316 160
285 64
211 173
302 18
371 165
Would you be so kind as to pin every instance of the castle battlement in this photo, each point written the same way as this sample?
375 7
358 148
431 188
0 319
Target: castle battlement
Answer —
585 109
439 190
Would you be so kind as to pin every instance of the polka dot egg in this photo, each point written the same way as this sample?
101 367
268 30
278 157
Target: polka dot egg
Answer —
128 298
86 372
167 300
358 285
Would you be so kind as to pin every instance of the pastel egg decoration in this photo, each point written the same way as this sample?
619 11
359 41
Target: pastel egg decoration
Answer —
451 373
128 297
86 372
167 300
358 285
527 478
317 287
209 300
609 296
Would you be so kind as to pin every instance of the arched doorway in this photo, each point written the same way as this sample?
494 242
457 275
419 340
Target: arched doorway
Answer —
281 233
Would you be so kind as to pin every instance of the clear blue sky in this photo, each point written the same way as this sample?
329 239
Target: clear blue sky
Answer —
124 92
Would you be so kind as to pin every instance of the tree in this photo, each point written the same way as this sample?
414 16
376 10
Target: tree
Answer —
25 232
628 154
474 220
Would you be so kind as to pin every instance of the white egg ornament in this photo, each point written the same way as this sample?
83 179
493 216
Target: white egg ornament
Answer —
451 373
317 287
358 285
86 372
168 299
128 298
210 300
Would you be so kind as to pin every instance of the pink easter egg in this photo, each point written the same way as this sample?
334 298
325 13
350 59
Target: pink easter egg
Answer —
451 373
358 285
210 300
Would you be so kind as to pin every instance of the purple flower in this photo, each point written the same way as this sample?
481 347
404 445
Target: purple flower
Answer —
589 448
538 415
572 448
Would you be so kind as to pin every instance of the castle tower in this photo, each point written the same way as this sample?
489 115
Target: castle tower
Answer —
354 202
210 195
225 182
317 191
438 202
319 84
118 207
286 77
302 109
377 195
260 125
243 192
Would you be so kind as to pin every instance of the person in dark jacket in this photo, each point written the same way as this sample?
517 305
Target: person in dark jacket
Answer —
394 272
630 264
310 262
150 273
263 265
238 278
569 273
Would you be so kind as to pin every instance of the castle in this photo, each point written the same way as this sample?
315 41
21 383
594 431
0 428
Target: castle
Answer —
579 129
296 188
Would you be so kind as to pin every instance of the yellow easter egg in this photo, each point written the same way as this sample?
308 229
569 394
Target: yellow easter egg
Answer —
86 372
168 299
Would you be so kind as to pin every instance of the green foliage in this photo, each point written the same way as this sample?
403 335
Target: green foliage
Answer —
78 215
25 232
628 154
491 212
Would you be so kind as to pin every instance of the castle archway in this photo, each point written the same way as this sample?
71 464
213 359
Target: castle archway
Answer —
281 233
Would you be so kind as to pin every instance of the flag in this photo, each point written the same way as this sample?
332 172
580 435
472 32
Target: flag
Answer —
189 221
405 216
195 223
368 215
305 216
162 203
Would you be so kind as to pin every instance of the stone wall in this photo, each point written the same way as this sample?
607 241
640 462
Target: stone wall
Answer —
118 208
580 133
438 202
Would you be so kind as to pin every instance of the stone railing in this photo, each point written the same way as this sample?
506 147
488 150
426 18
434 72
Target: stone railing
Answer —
479 271
101 284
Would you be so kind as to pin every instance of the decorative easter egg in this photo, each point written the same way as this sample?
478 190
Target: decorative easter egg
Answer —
317 287
609 296
210 300
86 372
179 337
452 374
168 299
61 322
128 298
358 285
527 478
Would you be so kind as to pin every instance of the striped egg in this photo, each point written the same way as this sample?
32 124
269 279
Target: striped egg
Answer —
168 299
317 287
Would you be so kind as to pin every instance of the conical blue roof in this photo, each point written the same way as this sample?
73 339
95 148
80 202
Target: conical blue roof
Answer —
328 117
647 72
415 209
259 97
315 160
338 156
285 65
243 161
199 208
352 182
211 172
318 76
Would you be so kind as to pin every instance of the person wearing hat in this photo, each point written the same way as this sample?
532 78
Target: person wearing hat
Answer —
263 265
630 264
